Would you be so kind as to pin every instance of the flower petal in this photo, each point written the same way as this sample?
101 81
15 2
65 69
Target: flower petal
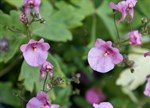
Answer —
34 103
98 61
35 58
54 106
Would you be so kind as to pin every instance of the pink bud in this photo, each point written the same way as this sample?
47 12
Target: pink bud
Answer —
135 37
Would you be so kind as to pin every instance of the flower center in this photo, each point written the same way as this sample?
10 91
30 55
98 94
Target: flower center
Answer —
43 106
34 49
135 38
105 54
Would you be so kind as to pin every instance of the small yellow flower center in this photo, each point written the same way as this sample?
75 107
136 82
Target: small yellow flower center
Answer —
105 54
42 107
34 49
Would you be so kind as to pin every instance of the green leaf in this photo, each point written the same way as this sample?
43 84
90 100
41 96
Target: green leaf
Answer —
58 22
14 38
81 102
138 77
31 75
6 94
143 8
122 103
16 3
104 12
63 96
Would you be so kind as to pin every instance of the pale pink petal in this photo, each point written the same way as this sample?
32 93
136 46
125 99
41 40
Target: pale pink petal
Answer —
43 97
98 61
123 16
23 47
103 105
54 106
35 58
131 15
99 43
147 88
34 103
113 6
116 56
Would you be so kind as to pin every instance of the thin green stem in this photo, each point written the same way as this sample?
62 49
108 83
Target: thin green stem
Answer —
45 81
116 27
131 27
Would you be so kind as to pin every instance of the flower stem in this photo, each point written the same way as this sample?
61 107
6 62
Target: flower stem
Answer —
116 27
45 81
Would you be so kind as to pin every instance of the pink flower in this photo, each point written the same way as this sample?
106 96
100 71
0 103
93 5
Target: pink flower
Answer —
40 101
103 105
35 52
94 95
135 37
147 54
46 67
103 56
147 87
125 7
32 3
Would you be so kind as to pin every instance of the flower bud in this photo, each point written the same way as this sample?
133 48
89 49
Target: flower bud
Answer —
144 20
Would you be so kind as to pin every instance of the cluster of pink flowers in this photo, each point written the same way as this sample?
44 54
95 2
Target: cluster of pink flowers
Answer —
35 54
125 7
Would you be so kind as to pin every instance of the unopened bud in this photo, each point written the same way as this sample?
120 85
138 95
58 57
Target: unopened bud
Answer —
144 20
23 18
42 21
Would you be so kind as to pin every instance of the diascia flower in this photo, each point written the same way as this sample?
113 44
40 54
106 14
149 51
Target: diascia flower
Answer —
103 105
135 37
41 101
94 95
32 3
147 87
125 7
35 52
46 67
103 56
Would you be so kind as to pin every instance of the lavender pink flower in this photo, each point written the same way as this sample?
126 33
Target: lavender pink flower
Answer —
46 67
147 54
41 101
94 95
103 105
135 37
35 52
125 7
147 87
103 56
32 3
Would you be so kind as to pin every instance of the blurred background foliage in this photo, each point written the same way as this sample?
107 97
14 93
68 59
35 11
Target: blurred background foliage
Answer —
71 28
